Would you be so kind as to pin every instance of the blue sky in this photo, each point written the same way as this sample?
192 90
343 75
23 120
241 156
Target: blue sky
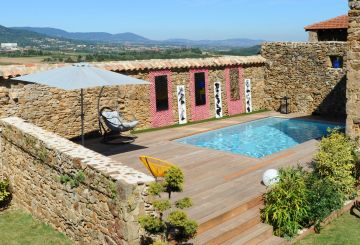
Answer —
280 20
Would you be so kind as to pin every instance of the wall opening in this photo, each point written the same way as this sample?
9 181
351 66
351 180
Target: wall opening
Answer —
336 62
234 84
200 92
161 93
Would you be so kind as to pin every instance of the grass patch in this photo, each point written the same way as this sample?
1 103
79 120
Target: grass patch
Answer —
196 122
343 230
18 227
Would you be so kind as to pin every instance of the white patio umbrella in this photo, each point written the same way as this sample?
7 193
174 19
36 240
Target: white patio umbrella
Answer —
79 76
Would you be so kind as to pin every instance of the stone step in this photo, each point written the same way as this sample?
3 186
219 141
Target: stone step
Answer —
252 236
274 240
229 228
224 216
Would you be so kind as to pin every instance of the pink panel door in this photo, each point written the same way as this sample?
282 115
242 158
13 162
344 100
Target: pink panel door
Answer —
199 94
235 106
160 101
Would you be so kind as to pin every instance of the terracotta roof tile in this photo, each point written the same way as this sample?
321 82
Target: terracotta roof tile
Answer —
138 65
340 22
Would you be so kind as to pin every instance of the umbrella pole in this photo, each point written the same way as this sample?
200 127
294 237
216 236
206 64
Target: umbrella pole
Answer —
82 117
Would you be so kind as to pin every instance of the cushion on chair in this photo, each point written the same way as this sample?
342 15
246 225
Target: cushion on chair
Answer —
131 124
113 117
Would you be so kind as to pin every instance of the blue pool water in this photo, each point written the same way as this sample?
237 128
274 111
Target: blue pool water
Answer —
261 137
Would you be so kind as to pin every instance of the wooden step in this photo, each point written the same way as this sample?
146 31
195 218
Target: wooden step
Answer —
230 214
252 236
230 228
274 240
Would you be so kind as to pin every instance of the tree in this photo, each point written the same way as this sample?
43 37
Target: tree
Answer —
170 222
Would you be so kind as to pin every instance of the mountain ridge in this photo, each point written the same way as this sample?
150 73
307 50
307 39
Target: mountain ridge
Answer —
129 37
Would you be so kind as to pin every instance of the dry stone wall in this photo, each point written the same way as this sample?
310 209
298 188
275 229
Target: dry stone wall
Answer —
102 209
353 82
303 72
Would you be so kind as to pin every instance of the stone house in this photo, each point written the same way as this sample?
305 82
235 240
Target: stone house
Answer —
155 105
334 29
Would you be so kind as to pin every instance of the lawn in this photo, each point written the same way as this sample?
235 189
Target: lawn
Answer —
343 230
18 227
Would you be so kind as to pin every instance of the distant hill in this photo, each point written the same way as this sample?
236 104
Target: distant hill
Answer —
29 38
132 38
87 36
21 37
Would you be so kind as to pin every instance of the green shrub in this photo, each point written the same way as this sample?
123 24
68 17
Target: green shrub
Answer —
181 227
151 224
156 188
324 197
159 243
74 181
183 203
335 161
286 206
5 194
161 205
173 180
176 225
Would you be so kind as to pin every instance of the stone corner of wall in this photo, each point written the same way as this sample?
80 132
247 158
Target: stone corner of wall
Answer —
84 157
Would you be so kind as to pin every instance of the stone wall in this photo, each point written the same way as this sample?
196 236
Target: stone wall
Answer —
102 209
353 82
59 111
302 71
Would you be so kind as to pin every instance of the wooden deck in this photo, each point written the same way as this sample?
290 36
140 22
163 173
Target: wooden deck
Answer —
225 188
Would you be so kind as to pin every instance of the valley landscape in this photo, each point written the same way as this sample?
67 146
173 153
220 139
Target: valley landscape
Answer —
51 45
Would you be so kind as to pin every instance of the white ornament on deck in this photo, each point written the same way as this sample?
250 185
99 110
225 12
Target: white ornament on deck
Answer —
270 177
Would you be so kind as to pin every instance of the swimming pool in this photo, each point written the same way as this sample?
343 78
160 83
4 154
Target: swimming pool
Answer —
261 137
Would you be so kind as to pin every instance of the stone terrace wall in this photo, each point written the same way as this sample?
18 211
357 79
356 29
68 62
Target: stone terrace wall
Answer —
302 71
353 83
103 209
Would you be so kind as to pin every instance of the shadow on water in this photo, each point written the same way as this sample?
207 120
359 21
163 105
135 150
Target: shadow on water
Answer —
302 129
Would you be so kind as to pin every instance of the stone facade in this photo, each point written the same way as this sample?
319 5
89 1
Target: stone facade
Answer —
353 82
303 72
59 111
102 209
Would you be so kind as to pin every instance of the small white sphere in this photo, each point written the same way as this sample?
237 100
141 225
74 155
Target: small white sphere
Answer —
270 177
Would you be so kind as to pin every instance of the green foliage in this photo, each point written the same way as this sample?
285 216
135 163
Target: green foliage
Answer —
181 227
159 243
176 225
173 180
335 161
254 50
324 197
156 188
302 199
74 181
161 205
286 206
186 202
4 190
151 224
112 189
